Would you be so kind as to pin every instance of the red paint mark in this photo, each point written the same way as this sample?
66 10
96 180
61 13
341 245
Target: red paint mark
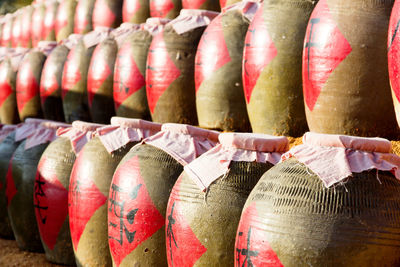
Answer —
11 190
129 9
259 51
102 14
183 247
25 37
50 200
49 20
48 82
160 8
192 4
84 199
127 77
99 71
80 22
27 86
251 246
222 3
212 52
71 74
325 48
132 215
394 50
161 71
62 16
5 85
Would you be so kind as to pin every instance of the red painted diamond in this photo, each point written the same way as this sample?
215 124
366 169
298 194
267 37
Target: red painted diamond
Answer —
132 215
160 8
259 51
183 247
71 73
394 50
161 71
325 48
11 190
212 52
5 86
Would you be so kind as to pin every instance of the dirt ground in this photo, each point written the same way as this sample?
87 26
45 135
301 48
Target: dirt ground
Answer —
12 256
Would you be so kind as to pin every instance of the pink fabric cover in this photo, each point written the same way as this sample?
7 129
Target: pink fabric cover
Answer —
123 31
190 19
247 7
154 25
5 51
16 57
79 134
27 128
123 131
97 36
6 130
235 147
335 157
72 40
46 47
45 132
183 142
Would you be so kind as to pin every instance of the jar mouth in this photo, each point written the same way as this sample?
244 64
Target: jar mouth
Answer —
255 142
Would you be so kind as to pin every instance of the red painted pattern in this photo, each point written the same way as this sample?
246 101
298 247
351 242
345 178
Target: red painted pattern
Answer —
62 17
183 247
192 4
16 31
161 71
102 14
80 21
84 199
99 71
222 3
5 85
26 19
127 77
259 51
50 200
160 8
37 25
394 50
129 9
132 215
11 190
212 52
324 49
49 20
48 82
27 85
251 245
71 73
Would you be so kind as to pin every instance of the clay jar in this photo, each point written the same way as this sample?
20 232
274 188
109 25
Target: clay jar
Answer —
101 74
393 57
140 190
21 189
65 19
135 11
206 202
220 99
7 147
201 4
168 9
49 20
28 80
107 13
74 77
331 202
25 38
16 28
6 37
345 77
36 24
52 179
8 74
170 68
272 62
129 90
90 184
83 16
